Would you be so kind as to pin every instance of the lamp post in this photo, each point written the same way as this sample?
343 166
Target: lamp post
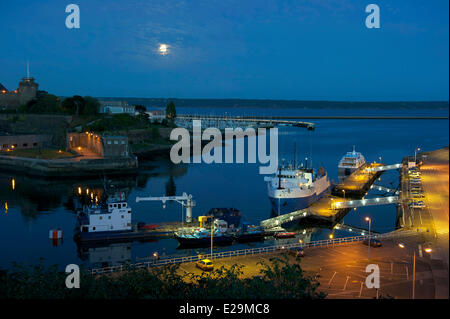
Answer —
415 154
428 251
212 232
368 246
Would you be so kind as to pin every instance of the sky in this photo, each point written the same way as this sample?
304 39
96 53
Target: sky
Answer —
250 49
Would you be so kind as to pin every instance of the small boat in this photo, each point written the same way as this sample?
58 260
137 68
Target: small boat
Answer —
201 237
249 233
143 226
285 235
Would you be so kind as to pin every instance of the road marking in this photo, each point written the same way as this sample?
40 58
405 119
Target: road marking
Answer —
329 283
346 281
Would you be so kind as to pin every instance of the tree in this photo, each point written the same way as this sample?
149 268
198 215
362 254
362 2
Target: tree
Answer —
44 103
74 105
171 112
91 105
140 108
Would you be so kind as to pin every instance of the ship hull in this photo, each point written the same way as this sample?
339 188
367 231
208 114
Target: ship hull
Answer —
205 241
245 238
118 236
283 206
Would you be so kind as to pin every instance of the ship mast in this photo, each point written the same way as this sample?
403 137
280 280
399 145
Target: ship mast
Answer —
295 155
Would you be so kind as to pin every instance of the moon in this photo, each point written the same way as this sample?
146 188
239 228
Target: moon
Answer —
163 49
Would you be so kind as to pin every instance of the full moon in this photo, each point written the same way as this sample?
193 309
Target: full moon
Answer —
163 49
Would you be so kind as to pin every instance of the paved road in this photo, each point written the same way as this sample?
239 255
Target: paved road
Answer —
339 264
435 182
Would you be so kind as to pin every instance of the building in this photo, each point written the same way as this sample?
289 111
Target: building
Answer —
116 107
103 145
21 141
26 92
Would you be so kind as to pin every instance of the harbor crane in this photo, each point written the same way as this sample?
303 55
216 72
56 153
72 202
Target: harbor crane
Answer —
185 200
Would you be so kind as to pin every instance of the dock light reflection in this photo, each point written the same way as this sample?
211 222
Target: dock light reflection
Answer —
79 190
6 207
13 184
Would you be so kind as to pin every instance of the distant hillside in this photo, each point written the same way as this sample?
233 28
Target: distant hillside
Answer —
236 103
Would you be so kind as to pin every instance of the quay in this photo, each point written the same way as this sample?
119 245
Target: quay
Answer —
326 210
245 120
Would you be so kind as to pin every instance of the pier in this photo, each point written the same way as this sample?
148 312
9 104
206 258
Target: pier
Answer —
249 121
343 198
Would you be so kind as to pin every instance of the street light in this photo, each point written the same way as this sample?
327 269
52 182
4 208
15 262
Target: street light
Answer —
427 250
368 249
415 154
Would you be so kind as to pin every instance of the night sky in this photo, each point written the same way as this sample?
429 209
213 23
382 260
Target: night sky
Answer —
264 49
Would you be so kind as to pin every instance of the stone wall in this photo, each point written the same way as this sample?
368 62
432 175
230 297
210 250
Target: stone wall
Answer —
24 141
13 99
102 145
54 125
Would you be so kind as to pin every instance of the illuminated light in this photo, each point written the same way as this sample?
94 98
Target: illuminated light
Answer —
13 184
350 229
59 151
428 250
87 191
12 146
79 148
163 49
6 207
79 190
401 245
331 236
367 219
92 195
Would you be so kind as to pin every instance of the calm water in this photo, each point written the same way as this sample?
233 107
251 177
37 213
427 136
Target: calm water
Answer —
36 206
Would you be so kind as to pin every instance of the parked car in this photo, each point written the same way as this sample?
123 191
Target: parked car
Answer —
418 204
373 242
297 252
205 264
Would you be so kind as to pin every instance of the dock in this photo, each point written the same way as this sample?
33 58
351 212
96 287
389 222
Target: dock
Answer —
326 210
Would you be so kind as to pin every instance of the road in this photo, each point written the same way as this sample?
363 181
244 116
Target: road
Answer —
340 269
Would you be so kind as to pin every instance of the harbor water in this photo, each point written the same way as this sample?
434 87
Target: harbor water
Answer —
30 207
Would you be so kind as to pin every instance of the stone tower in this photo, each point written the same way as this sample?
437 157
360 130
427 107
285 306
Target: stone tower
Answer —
26 92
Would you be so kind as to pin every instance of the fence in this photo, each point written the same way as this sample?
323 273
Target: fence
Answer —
231 253
251 251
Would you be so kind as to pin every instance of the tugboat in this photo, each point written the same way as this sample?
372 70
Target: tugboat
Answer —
110 221
249 233
201 237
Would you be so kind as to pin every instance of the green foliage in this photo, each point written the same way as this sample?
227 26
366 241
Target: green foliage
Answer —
43 104
171 112
118 122
81 105
140 108
279 279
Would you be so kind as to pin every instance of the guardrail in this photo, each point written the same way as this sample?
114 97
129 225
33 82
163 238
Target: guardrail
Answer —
249 251
231 253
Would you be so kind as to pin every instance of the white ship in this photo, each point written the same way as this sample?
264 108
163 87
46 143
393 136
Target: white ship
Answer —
349 163
296 188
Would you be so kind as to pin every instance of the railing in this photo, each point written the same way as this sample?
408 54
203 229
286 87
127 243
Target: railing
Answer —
251 251
226 254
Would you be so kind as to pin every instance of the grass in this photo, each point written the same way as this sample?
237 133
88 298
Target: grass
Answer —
43 153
